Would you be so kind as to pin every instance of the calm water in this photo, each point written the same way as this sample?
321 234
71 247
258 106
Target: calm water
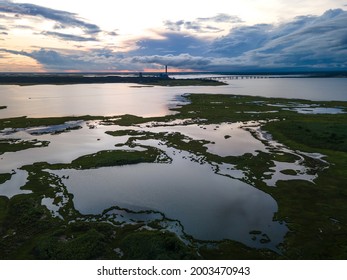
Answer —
208 205
119 99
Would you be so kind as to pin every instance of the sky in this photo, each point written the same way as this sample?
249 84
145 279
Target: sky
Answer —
186 35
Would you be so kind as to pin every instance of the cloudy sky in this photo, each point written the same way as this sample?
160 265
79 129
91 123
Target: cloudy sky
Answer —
187 35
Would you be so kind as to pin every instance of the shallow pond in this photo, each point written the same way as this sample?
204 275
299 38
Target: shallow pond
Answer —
212 201
225 139
13 186
209 206
63 147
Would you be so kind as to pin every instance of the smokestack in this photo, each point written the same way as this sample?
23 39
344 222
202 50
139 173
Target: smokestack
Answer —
166 69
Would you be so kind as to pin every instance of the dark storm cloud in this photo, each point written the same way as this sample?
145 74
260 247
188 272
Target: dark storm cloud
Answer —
307 41
61 60
68 37
180 61
190 26
13 52
222 18
112 33
201 24
241 40
63 18
172 43
174 25
50 57
52 60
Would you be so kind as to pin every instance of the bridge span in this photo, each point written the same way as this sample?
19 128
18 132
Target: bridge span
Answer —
239 77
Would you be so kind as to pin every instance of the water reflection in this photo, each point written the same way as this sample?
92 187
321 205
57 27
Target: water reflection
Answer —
101 99
119 99
63 148
225 139
13 187
189 190
209 206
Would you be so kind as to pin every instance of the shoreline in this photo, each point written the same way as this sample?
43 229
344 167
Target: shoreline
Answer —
49 79
149 79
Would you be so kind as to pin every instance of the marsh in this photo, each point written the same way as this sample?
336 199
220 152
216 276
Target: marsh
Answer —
213 168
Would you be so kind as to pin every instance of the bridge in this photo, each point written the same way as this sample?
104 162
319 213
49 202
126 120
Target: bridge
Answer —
239 77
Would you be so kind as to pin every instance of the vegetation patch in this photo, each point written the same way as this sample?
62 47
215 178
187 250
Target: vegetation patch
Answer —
15 145
155 245
5 177
3 207
24 122
322 131
289 172
113 158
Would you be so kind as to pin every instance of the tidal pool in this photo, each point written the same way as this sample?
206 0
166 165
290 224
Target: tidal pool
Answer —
62 148
13 186
225 139
212 201
208 205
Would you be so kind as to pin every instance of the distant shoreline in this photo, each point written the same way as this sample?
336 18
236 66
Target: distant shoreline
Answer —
72 79
149 79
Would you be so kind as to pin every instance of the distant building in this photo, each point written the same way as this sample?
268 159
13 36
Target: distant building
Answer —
164 75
